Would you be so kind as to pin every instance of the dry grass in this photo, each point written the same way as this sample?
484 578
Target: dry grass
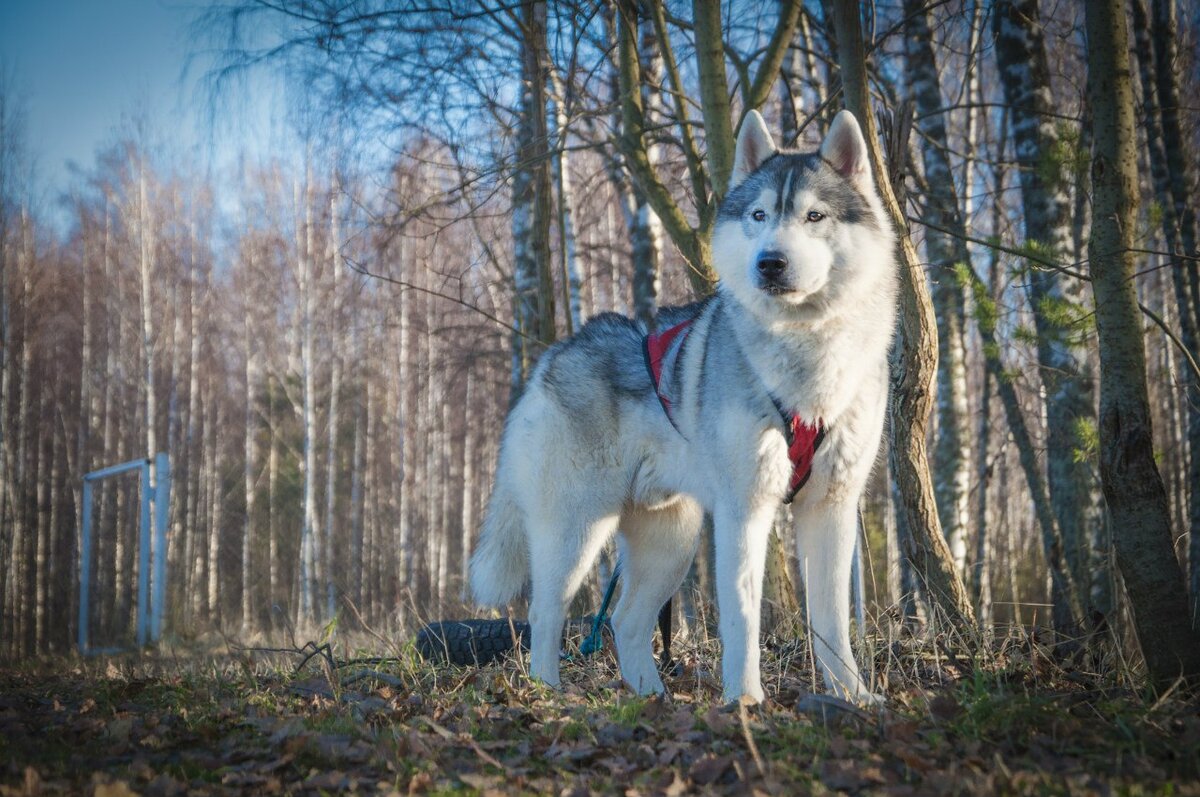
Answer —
1000 716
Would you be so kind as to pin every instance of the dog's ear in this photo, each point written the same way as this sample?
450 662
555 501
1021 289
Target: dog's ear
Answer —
845 149
754 145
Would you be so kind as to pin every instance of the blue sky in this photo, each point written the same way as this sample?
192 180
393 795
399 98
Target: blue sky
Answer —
84 67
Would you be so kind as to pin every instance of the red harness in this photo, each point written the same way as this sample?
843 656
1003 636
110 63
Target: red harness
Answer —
662 350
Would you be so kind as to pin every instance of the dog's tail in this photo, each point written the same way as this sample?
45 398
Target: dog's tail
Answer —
500 564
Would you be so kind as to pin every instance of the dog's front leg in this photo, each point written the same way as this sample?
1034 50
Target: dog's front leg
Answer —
825 541
740 533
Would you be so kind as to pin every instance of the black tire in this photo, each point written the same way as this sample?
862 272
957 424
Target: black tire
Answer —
469 642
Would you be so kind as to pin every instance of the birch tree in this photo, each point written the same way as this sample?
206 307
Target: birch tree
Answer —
945 246
310 535
1042 150
1172 177
914 360
534 284
1132 485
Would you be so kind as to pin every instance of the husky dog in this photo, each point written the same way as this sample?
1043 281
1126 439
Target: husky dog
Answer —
791 353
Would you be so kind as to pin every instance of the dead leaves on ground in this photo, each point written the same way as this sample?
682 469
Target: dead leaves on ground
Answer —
234 730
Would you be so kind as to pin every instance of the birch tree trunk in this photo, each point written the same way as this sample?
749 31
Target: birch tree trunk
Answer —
952 450
1171 176
249 463
274 565
336 336
645 228
1068 611
41 543
145 257
190 494
401 454
310 532
568 247
467 496
1058 303
23 525
914 360
531 200
1132 486
216 512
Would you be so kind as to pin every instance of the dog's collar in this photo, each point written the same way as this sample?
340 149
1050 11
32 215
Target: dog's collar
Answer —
662 351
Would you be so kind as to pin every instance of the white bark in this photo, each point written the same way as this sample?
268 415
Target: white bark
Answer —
1066 372
952 451
568 247
216 512
310 530
336 336
645 228
146 246
249 463
275 566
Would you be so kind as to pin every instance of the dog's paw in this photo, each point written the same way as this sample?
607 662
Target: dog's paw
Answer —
647 684
870 699
860 695
750 696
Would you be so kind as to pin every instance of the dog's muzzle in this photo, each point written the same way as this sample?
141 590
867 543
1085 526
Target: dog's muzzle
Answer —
772 266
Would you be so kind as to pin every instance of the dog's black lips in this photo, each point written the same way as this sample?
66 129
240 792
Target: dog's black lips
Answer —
776 288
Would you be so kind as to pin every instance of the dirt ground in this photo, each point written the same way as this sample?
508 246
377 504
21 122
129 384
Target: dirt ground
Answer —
252 721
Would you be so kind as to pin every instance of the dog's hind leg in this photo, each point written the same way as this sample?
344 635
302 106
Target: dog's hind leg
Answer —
562 550
658 545
825 544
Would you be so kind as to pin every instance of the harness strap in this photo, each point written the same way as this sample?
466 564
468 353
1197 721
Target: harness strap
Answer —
803 440
662 350
595 640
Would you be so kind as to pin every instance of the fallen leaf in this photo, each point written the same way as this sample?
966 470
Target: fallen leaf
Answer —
117 788
419 782
286 729
708 768
165 786
675 786
720 720
902 731
480 782
944 707
118 729
330 781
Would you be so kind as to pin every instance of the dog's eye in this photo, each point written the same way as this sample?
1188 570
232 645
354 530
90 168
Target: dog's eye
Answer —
759 215
814 215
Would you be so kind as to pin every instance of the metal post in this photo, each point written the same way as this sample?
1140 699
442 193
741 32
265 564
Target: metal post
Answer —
162 494
85 567
149 615
143 609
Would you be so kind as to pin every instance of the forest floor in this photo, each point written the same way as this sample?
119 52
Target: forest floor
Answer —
250 721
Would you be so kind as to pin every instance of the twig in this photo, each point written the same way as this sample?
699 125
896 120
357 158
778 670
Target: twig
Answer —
406 285
1171 336
749 737
464 738
363 675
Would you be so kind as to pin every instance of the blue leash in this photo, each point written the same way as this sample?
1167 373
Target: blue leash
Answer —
595 640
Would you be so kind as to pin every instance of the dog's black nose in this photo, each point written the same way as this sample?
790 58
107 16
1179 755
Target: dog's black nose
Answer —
772 264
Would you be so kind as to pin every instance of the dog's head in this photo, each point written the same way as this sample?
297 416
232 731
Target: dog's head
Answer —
797 232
